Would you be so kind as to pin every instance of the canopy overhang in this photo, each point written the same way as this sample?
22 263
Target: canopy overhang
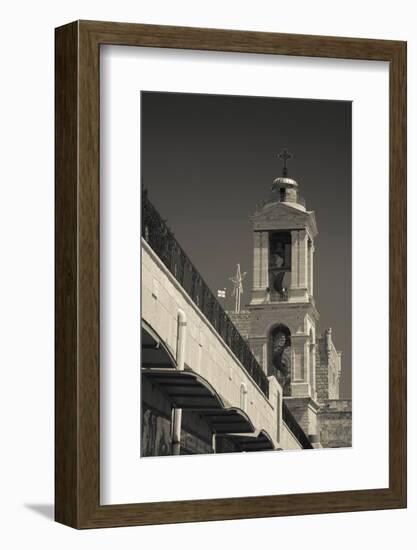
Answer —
257 441
185 389
188 390
154 352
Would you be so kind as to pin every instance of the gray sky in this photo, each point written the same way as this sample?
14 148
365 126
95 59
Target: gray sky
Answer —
208 160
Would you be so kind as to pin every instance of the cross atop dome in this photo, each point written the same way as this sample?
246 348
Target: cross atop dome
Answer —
284 188
284 156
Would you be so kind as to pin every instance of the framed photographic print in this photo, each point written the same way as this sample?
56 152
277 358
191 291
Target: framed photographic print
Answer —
230 274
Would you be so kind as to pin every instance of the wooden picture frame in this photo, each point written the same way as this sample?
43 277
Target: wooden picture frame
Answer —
77 403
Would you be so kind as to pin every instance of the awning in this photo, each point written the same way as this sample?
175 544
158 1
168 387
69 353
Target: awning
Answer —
229 420
258 441
154 352
186 390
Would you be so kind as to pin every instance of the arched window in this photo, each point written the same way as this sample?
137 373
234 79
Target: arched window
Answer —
280 356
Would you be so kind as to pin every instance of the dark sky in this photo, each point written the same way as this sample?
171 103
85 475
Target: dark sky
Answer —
208 160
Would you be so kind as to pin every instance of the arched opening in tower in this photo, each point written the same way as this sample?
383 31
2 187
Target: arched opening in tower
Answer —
280 346
279 264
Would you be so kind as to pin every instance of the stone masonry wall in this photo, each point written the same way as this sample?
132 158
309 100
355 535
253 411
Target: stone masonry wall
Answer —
241 321
328 365
322 370
335 423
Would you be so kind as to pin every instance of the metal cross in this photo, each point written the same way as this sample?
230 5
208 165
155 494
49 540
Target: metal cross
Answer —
237 287
284 156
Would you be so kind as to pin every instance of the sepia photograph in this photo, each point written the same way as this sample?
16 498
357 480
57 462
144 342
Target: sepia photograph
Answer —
209 259
246 274
226 284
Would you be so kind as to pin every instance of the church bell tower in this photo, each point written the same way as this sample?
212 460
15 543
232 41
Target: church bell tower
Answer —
282 308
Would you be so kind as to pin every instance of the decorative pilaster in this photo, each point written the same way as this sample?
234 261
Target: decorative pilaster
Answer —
302 259
294 259
300 367
264 258
260 260
311 265
260 266
256 260
299 266
313 370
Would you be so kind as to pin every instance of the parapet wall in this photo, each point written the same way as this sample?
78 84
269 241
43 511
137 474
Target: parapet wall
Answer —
335 423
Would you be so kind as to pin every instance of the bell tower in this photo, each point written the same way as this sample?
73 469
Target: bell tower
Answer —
282 308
